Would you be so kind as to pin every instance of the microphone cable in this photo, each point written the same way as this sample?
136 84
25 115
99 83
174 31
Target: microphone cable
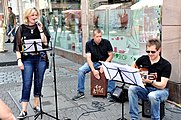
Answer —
97 106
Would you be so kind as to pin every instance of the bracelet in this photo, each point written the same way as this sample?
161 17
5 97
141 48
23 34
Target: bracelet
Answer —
42 32
18 59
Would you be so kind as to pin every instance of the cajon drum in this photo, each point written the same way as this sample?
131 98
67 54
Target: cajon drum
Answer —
98 86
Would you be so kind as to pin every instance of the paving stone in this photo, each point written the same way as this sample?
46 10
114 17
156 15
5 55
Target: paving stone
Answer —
66 81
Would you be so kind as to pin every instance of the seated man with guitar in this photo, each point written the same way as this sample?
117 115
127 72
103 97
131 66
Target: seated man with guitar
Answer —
155 79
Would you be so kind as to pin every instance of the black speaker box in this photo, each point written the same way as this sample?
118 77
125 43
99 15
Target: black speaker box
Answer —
146 109
120 94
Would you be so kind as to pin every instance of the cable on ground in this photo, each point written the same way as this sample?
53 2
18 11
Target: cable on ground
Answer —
96 107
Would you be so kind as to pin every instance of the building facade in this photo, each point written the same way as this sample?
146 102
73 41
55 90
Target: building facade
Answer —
74 20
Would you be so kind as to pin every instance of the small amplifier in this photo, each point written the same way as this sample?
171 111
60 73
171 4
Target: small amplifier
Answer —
146 109
120 94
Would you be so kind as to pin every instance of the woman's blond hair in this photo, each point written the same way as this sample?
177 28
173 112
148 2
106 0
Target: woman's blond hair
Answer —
27 13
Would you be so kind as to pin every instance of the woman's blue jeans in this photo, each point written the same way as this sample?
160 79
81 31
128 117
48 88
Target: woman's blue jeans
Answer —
154 95
86 69
34 66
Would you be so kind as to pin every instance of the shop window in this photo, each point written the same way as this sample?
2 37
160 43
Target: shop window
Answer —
126 29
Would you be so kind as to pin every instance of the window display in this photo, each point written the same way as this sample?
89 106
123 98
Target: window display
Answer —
71 31
127 30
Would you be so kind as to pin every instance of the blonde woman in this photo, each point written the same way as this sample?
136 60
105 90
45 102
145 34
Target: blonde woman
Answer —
31 63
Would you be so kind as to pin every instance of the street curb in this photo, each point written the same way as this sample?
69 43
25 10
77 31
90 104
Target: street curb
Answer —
10 63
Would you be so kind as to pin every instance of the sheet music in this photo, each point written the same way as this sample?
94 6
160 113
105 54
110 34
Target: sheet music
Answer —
33 45
130 75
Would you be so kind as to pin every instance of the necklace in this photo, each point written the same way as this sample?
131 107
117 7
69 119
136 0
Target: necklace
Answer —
31 31
32 28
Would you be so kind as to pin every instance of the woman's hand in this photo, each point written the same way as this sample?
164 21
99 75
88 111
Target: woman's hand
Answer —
43 36
40 26
20 65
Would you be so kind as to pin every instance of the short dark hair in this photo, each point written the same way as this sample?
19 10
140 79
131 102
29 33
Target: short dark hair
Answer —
96 31
155 42
10 8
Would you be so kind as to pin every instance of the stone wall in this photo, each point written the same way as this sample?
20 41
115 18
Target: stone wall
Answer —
171 44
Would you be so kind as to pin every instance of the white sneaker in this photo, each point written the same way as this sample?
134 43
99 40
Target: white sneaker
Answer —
36 109
22 115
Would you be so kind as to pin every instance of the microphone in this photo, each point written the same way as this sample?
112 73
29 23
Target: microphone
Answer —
37 22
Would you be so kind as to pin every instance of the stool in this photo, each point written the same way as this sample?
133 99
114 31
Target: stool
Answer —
98 86
146 109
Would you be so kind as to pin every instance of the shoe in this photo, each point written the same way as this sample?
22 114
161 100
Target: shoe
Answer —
109 97
36 109
8 41
79 95
22 115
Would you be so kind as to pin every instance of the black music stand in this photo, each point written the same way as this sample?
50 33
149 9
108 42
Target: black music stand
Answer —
34 46
123 74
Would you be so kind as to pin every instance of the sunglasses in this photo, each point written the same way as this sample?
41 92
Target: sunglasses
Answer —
151 52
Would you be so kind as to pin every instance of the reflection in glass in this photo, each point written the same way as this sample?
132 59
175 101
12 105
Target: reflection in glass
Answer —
126 29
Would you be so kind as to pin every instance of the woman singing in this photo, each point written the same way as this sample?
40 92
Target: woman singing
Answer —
31 63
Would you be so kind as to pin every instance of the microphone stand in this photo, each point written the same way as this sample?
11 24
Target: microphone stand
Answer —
54 76
54 71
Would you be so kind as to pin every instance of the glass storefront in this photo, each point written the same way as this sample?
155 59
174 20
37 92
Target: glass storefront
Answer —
64 17
126 27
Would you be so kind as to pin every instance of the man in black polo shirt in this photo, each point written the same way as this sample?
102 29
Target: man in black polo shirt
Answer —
155 90
97 50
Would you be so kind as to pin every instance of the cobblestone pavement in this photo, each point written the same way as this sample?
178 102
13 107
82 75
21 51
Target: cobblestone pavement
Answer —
66 83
